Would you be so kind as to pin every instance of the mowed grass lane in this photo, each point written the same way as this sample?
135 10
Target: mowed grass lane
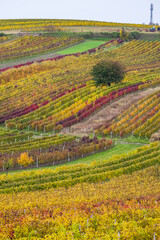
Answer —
81 47
118 149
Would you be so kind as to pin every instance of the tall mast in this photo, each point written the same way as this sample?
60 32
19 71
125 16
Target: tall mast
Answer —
151 16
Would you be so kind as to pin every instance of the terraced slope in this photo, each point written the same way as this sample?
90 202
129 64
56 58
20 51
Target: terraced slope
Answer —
66 95
102 200
57 24
142 118
115 198
31 45
68 176
109 114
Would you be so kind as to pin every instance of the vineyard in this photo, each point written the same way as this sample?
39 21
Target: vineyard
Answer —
30 45
51 150
141 119
3 38
89 210
115 193
42 24
38 102
68 176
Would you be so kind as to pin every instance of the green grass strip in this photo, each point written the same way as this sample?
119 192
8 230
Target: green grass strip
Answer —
118 149
84 46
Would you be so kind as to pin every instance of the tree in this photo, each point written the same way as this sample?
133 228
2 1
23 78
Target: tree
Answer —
107 72
123 34
24 160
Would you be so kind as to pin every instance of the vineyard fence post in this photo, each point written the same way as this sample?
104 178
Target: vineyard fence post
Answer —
37 163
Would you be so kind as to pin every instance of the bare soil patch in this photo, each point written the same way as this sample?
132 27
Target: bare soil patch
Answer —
107 113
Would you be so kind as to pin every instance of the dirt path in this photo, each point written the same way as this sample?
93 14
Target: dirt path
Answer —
108 113
35 58
16 62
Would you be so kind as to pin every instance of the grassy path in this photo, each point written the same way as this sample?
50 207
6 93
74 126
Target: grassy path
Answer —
84 46
118 149
80 47
27 59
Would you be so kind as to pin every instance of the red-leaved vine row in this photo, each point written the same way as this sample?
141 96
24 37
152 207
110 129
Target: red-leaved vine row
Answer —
33 107
62 56
19 112
97 104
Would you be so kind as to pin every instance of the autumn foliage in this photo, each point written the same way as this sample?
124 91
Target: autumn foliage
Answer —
24 160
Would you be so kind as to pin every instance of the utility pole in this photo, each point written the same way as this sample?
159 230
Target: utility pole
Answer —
151 15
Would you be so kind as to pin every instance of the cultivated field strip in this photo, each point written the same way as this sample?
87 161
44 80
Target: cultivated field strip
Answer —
40 142
103 171
141 119
54 94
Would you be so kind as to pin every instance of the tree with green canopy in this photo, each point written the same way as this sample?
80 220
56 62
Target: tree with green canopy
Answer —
107 72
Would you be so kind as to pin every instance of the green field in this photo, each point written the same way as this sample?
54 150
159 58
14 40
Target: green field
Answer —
82 47
118 149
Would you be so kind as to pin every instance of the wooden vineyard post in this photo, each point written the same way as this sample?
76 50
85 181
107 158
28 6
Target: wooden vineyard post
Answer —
3 165
154 236
111 134
37 163
93 134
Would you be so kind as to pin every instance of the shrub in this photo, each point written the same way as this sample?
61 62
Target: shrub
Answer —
2 34
134 35
8 165
115 34
107 72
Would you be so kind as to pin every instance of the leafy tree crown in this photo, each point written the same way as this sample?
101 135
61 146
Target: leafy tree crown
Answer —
107 72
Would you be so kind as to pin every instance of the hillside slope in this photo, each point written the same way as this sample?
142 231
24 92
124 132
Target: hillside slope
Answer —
108 113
